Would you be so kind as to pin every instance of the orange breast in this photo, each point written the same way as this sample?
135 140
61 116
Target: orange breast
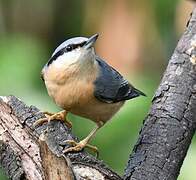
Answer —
73 90
71 86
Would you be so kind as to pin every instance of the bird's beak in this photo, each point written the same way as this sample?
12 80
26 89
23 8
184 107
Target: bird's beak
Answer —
91 41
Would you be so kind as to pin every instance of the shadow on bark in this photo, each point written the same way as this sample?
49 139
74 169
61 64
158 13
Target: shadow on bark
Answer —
36 153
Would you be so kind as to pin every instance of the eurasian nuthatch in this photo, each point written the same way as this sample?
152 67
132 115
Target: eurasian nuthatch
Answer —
82 83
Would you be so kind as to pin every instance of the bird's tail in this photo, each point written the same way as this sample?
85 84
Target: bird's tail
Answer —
138 92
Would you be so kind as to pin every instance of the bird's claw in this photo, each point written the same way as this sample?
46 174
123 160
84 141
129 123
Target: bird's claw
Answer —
61 116
39 122
46 113
79 146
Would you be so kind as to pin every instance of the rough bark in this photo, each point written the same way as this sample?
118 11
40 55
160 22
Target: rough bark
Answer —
36 153
170 125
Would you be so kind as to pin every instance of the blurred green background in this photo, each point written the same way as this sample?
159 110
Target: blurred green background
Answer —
136 37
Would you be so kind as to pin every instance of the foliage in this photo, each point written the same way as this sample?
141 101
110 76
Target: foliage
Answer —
26 45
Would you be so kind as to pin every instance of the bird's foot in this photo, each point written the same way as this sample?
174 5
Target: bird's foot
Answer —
79 146
61 116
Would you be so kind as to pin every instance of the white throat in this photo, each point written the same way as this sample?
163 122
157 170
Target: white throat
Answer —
67 59
76 57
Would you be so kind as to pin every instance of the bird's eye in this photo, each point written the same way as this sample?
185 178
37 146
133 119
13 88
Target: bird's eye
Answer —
69 48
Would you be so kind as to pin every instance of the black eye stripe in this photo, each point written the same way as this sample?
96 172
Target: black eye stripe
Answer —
68 48
74 46
55 56
82 44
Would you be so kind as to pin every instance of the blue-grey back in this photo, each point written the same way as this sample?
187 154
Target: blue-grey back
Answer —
111 87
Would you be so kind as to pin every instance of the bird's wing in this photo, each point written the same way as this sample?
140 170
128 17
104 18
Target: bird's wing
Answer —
111 87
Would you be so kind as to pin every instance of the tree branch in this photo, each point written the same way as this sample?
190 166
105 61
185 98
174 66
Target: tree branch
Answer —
31 153
170 125
36 153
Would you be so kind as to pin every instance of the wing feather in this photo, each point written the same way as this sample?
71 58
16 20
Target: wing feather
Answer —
111 87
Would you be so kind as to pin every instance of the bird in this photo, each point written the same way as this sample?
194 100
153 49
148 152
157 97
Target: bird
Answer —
82 83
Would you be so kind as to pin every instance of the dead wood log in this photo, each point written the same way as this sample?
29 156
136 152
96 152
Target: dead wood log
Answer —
36 153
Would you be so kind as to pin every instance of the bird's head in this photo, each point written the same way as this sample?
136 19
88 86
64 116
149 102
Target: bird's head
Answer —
74 50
